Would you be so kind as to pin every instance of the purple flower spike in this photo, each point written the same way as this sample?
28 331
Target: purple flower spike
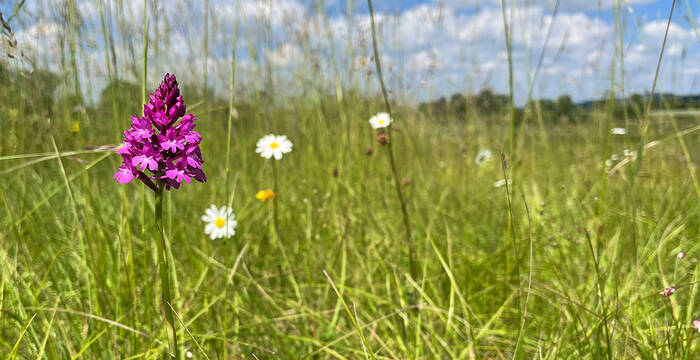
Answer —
159 144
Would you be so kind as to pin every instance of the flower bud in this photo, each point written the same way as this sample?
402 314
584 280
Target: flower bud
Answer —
382 138
668 291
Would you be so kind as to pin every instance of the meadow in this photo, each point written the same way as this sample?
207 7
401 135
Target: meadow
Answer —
543 250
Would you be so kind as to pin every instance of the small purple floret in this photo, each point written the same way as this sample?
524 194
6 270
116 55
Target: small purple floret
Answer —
124 175
158 143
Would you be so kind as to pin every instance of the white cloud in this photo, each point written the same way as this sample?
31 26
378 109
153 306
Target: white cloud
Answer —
430 46
284 55
583 5
564 5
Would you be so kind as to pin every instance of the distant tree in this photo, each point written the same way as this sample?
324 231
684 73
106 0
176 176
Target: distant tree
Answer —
637 99
458 104
34 91
126 95
548 108
486 101
636 104
564 107
440 108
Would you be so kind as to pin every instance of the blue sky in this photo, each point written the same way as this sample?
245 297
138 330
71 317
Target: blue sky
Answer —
430 48
651 9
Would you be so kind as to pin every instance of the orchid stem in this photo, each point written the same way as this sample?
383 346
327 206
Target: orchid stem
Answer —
166 300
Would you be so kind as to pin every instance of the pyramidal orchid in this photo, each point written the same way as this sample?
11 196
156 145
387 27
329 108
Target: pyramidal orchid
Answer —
159 150
162 150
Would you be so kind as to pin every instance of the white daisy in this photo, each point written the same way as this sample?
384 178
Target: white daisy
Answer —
273 145
618 131
221 222
483 156
381 120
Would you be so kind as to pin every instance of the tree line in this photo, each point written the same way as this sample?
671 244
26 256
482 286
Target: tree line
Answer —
559 110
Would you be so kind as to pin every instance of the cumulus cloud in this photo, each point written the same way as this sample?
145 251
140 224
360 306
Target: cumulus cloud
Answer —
432 49
564 5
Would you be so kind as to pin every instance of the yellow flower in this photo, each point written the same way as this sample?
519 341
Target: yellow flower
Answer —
264 195
75 127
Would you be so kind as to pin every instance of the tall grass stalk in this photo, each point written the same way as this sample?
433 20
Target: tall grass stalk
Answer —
205 48
392 162
521 331
508 163
72 46
353 318
507 31
650 101
144 203
600 284
540 60
110 72
277 235
227 171
610 118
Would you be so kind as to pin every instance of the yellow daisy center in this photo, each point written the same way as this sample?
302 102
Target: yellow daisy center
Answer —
274 145
381 121
220 222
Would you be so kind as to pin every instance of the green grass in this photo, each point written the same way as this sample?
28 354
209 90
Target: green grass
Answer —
567 262
470 299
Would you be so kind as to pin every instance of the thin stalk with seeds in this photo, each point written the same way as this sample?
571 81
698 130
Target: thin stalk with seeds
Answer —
511 232
543 133
605 128
645 125
509 52
511 106
392 161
